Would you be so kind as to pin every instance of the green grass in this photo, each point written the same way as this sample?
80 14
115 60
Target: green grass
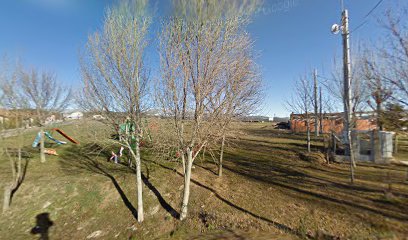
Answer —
267 191
402 153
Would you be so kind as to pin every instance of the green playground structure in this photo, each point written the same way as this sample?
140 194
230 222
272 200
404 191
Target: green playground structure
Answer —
49 136
129 129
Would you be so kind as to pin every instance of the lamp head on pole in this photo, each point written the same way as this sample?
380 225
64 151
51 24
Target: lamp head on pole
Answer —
335 29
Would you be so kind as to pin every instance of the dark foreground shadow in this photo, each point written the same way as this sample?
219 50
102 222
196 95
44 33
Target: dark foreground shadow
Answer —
162 201
76 160
43 223
231 204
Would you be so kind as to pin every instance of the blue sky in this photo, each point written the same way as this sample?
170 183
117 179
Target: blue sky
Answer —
291 37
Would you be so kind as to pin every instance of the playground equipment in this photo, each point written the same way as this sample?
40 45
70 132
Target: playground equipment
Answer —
115 156
49 136
53 139
65 135
50 151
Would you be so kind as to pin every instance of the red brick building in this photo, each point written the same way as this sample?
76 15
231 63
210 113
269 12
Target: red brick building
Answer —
332 122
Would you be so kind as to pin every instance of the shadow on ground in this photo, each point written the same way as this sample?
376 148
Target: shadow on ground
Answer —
92 159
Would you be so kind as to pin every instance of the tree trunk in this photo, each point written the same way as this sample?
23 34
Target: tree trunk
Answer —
17 177
352 162
7 196
19 174
308 132
316 117
187 178
221 156
140 215
396 143
320 112
379 120
42 154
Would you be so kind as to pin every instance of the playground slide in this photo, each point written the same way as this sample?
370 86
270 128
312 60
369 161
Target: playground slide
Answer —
36 140
66 136
53 139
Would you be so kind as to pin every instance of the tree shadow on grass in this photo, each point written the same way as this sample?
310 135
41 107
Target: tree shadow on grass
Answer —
75 159
206 168
298 181
21 180
231 204
162 201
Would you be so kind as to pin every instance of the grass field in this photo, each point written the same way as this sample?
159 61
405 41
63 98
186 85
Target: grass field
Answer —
269 190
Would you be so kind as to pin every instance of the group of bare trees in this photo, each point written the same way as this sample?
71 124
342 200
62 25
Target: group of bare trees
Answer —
208 76
26 93
379 79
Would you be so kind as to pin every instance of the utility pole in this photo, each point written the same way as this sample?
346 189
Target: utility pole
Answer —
316 117
320 111
347 90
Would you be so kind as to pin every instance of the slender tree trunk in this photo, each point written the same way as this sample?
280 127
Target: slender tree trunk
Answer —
17 176
308 132
351 153
320 111
140 215
187 180
42 154
396 143
379 120
7 196
221 156
316 117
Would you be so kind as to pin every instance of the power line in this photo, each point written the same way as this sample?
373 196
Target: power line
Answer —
372 10
359 26
366 16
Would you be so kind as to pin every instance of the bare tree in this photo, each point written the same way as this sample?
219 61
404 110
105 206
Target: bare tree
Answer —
301 102
15 157
13 102
378 87
395 53
240 91
315 103
115 75
196 48
359 94
43 93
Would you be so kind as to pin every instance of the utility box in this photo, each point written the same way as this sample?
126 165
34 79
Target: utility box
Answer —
386 141
383 146
373 146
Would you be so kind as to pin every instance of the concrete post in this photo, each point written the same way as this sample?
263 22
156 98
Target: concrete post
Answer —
386 139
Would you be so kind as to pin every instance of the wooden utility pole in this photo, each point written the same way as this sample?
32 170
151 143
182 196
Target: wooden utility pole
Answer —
316 116
347 90
320 110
